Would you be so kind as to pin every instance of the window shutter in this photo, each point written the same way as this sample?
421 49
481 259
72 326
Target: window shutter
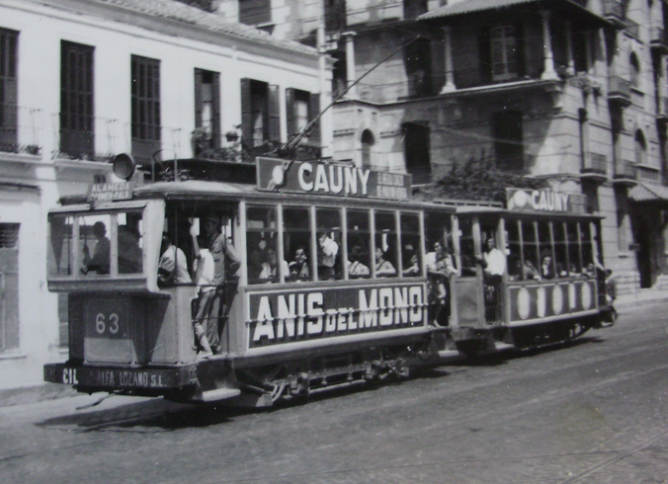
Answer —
216 110
246 115
198 98
274 115
519 42
290 111
485 55
313 111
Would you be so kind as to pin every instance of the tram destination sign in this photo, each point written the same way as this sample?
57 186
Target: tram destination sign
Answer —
521 199
334 179
110 191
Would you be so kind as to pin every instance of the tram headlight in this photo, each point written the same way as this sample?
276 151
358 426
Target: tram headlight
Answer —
278 175
124 166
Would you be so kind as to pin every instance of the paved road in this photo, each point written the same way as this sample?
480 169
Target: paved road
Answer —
595 411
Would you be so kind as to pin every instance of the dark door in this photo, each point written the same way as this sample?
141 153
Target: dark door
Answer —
508 147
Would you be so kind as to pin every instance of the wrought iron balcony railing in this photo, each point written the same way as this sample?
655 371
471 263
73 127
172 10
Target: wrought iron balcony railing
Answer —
648 173
633 28
658 37
625 170
614 10
20 129
619 89
595 164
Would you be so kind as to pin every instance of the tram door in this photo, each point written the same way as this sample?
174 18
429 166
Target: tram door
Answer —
469 297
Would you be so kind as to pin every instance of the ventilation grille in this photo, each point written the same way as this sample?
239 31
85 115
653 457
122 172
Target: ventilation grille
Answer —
9 236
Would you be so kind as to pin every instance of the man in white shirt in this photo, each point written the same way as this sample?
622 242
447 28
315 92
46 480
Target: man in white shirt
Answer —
494 263
495 259
326 256
173 265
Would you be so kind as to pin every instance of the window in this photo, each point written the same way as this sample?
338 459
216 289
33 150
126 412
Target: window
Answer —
504 53
328 239
411 264
261 246
581 48
417 58
254 12
9 279
416 151
414 8
77 124
8 90
260 116
634 70
359 244
297 243
508 140
335 15
386 261
301 108
640 148
145 107
207 110
367 146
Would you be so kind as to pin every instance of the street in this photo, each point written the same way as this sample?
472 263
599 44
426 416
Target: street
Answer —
593 411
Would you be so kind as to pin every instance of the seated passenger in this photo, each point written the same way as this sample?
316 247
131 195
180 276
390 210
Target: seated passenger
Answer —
384 267
355 267
269 272
299 268
173 265
99 262
413 268
530 271
546 266
129 251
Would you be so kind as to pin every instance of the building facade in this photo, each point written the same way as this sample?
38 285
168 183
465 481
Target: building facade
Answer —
83 81
571 91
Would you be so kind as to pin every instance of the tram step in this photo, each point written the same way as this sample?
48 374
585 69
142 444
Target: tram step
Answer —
501 346
220 394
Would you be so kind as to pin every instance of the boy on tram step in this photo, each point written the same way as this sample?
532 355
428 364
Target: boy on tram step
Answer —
494 265
439 270
213 300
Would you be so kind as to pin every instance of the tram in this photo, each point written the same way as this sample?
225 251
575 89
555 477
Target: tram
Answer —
301 275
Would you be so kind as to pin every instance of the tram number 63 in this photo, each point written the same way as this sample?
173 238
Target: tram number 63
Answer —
107 324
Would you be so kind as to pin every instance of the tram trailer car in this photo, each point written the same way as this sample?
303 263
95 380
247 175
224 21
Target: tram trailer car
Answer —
289 320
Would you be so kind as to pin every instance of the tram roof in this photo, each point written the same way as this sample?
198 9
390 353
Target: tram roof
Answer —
480 210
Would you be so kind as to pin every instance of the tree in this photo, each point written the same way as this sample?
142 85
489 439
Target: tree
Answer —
479 179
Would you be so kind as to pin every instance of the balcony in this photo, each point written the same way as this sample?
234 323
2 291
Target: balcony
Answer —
619 91
633 28
662 108
613 11
648 173
594 167
89 139
625 173
658 39
20 129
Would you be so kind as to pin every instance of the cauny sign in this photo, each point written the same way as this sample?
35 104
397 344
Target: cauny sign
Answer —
544 200
293 316
331 179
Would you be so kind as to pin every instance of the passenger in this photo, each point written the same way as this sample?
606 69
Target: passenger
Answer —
226 263
100 260
327 251
269 271
173 265
355 266
384 267
413 268
546 266
530 271
299 268
129 252
494 264
439 269
611 293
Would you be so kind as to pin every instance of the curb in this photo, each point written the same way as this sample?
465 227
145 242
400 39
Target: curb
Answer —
635 303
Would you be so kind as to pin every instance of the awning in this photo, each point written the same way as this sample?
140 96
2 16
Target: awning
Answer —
647 193
464 7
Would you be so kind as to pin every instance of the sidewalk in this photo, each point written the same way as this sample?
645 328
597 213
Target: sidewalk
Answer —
641 298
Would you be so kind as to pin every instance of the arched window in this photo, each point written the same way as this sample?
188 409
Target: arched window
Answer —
640 147
367 145
634 69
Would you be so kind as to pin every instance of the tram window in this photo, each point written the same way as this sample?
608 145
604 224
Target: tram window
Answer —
297 243
467 247
328 225
130 242
261 247
587 250
547 265
61 236
385 255
95 244
560 249
410 245
359 243
530 248
574 256
515 248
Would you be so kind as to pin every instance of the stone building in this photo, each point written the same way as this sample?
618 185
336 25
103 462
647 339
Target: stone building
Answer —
83 81
573 91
